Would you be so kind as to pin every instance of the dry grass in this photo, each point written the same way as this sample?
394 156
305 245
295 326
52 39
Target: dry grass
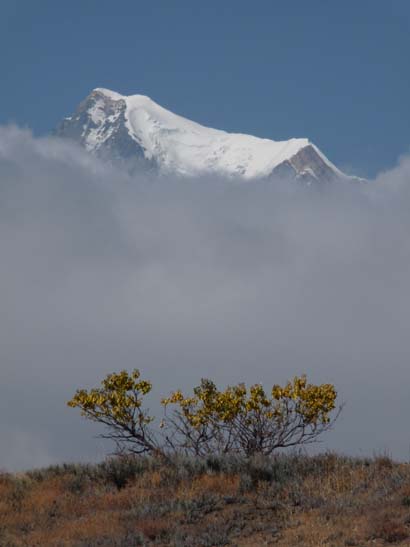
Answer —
286 501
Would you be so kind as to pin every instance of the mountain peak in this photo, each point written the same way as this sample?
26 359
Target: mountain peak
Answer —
136 128
113 95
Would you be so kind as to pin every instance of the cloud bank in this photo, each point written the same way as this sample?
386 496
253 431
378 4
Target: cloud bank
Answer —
101 271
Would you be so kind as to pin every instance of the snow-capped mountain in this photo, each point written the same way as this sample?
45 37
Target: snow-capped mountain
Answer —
138 130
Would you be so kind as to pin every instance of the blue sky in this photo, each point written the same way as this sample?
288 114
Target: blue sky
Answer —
336 72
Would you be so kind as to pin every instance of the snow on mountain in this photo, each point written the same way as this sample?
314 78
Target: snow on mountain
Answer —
135 128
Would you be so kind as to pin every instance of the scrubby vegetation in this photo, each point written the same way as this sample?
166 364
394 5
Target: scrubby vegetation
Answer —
235 420
285 500
211 473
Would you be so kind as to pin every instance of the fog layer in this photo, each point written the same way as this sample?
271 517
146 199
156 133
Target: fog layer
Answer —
255 282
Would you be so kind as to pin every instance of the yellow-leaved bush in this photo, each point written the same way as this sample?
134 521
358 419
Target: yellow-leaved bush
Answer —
248 421
117 404
211 421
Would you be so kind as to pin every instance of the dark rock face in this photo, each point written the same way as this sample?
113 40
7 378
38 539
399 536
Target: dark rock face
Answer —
99 125
306 166
308 158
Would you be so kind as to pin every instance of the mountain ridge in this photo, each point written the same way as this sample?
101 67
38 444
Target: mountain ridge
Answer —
138 130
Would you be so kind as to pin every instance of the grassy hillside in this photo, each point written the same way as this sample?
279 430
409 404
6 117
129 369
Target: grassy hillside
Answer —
285 501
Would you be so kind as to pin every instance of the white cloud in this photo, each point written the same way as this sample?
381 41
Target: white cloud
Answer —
101 271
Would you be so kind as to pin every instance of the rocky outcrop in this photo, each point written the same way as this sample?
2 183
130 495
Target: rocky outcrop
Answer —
306 166
99 125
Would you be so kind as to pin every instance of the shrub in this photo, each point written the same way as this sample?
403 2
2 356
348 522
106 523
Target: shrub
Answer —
118 405
249 421
236 420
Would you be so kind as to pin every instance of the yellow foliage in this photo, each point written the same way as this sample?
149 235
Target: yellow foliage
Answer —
119 397
237 418
312 403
